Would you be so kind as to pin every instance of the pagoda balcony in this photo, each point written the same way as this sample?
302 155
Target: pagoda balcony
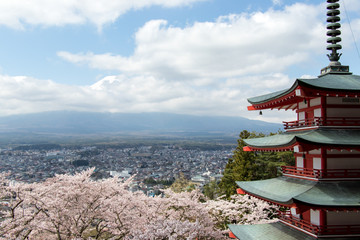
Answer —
319 230
318 121
320 174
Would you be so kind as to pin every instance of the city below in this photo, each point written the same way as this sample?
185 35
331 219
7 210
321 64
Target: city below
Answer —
153 165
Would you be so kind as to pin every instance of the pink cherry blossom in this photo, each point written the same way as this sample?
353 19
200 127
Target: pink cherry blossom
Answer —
77 207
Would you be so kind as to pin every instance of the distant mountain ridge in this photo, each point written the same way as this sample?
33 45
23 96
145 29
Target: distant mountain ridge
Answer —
69 122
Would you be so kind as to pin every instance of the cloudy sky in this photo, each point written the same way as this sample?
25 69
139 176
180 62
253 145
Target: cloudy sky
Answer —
202 57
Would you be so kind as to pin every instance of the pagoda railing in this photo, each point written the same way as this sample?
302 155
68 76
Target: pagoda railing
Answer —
303 123
320 174
318 121
288 218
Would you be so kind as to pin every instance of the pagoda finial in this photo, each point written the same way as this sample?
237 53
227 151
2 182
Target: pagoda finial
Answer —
333 33
333 30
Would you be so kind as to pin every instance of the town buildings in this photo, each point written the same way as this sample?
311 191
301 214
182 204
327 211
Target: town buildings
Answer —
159 162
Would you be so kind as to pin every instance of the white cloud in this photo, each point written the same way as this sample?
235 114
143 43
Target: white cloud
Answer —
277 2
234 45
22 94
351 5
210 68
123 94
18 13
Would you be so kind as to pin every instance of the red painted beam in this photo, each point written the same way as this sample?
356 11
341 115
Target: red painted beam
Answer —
231 235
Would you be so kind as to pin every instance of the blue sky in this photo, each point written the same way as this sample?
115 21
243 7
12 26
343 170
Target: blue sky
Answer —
202 57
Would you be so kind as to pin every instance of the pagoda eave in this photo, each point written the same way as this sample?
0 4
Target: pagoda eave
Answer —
269 231
271 149
287 102
327 85
345 139
305 205
286 191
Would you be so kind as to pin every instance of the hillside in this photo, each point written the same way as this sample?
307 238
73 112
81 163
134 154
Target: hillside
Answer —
91 123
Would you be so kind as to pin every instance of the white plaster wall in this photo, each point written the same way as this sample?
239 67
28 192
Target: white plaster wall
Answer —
302 105
343 218
299 162
293 213
317 163
315 217
317 112
315 102
301 115
315 151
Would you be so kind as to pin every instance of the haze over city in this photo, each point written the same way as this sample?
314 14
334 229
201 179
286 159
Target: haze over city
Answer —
198 57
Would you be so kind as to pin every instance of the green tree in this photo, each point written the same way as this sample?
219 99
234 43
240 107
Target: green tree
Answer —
248 166
211 190
182 184
240 167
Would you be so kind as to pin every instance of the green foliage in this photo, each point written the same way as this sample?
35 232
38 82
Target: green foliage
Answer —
211 190
182 184
89 153
152 181
78 163
249 166
47 146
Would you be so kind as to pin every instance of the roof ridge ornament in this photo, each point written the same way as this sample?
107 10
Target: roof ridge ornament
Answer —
333 33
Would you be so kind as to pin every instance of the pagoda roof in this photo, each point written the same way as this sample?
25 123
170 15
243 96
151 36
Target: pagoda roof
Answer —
331 138
269 231
333 82
286 191
274 231
328 85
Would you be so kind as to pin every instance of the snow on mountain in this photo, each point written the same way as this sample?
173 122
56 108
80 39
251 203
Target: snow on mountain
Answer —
107 83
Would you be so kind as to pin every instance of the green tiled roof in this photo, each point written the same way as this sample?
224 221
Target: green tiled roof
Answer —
273 141
331 82
342 193
274 231
270 231
334 82
267 97
320 136
280 190
286 190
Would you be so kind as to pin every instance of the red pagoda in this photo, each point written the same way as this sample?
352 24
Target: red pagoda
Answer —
320 195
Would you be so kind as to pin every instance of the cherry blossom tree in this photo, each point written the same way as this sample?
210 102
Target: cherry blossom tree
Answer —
76 207
240 209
